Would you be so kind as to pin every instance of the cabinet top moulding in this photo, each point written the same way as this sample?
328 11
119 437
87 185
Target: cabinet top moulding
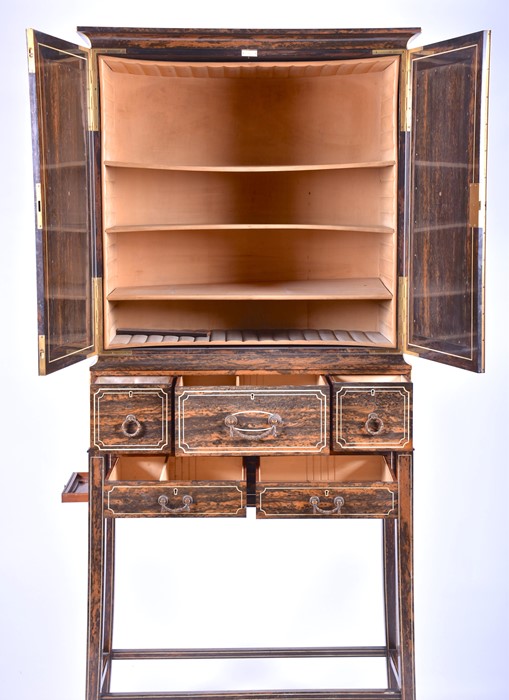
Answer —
271 42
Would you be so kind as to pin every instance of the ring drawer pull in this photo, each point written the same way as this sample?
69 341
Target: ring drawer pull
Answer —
185 508
274 422
131 427
374 425
339 502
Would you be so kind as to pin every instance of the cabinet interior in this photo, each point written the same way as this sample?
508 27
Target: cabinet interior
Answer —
249 203
251 380
311 468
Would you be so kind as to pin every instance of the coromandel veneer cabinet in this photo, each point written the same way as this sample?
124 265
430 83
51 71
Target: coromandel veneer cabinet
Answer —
249 228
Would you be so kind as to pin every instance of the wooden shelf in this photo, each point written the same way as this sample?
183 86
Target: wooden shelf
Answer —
243 227
246 168
336 289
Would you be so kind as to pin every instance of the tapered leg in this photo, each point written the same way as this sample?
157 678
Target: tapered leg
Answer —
391 602
96 570
109 589
406 576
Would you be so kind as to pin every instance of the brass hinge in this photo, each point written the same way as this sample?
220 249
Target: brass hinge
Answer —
42 354
404 315
92 93
474 205
402 310
406 73
98 313
38 205
31 50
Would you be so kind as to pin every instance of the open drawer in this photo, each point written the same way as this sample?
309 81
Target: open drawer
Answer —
166 487
247 414
371 413
360 486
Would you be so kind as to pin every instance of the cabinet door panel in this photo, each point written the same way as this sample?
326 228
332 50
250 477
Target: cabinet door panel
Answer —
58 74
447 202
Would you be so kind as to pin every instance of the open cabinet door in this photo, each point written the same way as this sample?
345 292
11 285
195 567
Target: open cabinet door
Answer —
58 74
447 186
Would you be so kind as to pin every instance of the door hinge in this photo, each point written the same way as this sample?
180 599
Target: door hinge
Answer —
474 205
38 205
406 116
31 50
42 354
402 309
98 328
92 93
403 313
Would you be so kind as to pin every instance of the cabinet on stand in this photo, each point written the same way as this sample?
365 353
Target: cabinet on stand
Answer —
249 228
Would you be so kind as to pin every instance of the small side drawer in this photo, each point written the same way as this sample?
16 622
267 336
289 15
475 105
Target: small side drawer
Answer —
173 487
372 416
353 500
76 489
252 418
131 418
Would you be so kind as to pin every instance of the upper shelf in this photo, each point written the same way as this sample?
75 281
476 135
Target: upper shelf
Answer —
295 290
252 168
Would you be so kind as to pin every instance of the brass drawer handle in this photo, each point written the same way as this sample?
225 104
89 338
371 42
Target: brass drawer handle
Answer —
274 421
314 501
131 427
374 425
185 508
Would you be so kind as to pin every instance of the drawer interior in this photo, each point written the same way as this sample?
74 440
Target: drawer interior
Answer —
245 379
128 379
134 468
314 468
369 378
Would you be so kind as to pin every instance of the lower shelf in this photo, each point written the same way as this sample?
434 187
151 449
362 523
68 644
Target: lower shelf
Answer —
153 337
361 672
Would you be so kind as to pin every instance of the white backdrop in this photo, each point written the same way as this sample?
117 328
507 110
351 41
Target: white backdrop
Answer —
188 584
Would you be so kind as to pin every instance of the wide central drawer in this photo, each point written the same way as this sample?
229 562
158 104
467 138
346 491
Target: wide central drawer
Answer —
264 414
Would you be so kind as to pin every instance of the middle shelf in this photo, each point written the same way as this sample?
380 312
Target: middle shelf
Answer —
338 289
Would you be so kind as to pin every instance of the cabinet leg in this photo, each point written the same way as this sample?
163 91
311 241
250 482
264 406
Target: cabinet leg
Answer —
406 578
391 602
109 589
96 577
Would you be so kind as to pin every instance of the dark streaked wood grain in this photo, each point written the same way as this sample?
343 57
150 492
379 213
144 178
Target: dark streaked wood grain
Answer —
353 404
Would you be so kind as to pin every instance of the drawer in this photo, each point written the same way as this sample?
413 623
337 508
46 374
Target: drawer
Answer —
138 487
267 414
357 487
133 417
370 415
